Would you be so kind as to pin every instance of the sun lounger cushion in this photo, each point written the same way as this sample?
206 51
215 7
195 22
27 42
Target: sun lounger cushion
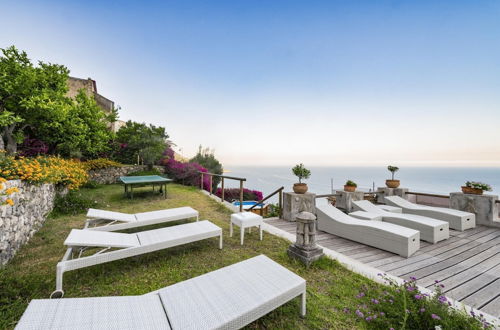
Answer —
129 312
177 213
79 237
110 215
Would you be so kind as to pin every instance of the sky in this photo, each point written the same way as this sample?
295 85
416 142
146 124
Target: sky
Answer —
282 82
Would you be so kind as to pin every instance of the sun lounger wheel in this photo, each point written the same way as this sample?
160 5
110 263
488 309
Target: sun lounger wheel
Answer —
57 294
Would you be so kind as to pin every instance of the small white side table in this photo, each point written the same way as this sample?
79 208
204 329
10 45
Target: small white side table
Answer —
245 220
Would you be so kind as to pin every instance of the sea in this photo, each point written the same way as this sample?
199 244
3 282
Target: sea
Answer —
324 180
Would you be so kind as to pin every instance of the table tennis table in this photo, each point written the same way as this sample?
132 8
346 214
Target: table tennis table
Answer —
130 181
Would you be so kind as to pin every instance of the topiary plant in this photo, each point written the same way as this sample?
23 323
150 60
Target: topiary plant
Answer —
351 183
301 172
393 170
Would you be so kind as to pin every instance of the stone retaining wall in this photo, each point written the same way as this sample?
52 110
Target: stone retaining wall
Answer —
20 222
112 174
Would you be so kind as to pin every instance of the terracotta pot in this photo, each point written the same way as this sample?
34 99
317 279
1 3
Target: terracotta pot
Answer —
392 183
350 188
469 190
300 188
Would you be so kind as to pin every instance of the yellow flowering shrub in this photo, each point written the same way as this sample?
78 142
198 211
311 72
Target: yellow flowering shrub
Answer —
96 164
42 169
7 192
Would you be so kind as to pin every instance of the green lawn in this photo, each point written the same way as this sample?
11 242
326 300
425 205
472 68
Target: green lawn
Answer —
31 274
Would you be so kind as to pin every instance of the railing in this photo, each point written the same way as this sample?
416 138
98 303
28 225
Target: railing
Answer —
280 201
211 175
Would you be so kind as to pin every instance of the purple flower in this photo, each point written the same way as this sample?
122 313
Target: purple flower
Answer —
422 310
472 313
436 281
435 317
441 285
359 313
442 299
418 297
369 318
382 313
391 301
375 301
360 295
410 288
346 310
413 278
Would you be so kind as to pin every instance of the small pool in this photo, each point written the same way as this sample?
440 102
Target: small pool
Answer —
249 204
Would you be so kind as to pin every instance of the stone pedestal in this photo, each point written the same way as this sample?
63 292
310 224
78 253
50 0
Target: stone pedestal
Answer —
294 203
384 192
484 206
305 248
345 199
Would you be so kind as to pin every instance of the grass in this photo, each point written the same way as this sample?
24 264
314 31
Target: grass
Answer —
31 274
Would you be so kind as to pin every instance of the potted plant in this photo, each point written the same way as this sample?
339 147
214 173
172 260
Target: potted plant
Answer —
476 188
392 183
350 186
302 173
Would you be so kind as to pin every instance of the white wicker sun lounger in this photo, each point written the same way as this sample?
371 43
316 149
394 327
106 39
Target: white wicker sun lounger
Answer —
431 230
386 236
458 220
129 245
228 298
119 221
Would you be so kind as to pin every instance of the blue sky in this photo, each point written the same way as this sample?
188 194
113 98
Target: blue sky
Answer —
281 82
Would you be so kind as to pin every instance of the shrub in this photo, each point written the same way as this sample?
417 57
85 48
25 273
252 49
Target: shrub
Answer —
91 185
100 163
231 194
33 147
73 203
301 172
273 211
478 185
405 307
351 183
153 171
184 173
43 169
138 140
206 158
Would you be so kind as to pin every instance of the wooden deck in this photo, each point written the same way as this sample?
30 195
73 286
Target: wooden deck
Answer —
467 264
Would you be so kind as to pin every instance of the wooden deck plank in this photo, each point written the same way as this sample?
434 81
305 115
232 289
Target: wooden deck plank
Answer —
427 259
445 260
483 296
475 284
471 273
460 267
492 307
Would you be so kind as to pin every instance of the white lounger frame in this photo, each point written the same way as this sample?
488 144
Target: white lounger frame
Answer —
228 298
385 236
73 260
431 230
114 221
458 220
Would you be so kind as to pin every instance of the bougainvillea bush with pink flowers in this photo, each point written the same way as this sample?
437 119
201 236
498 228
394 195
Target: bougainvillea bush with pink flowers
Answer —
231 194
184 173
405 307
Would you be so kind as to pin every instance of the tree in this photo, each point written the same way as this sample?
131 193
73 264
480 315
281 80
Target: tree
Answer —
206 158
140 140
33 103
